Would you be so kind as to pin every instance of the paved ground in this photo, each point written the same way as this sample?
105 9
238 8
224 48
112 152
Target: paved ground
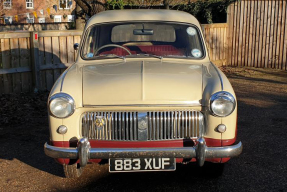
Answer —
262 127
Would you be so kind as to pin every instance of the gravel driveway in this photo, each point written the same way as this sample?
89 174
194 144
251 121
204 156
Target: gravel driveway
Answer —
262 128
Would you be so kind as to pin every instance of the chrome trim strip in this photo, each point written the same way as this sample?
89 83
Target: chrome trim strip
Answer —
189 123
131 127
161 125
127 126
175 127
168 125
135 126
113 127
186 124
193 122
157 126
192 104
179 129
120 126
142 79
172 125
195 125
116 125
182 124
200 152
219 76
63 78
164 131
154 126
149 126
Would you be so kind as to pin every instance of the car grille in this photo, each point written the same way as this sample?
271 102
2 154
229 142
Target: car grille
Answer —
123 126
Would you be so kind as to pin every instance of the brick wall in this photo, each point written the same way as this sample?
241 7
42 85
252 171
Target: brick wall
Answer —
18 7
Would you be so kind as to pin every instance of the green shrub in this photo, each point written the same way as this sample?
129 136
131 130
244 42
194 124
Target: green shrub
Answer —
206 11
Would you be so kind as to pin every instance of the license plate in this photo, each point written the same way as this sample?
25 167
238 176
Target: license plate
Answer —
141 164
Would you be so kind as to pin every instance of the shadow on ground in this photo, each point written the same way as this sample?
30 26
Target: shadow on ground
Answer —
262 119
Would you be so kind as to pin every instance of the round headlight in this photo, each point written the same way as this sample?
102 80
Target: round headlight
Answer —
61 105
222 104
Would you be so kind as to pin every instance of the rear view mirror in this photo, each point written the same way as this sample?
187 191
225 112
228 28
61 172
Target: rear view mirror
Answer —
143 31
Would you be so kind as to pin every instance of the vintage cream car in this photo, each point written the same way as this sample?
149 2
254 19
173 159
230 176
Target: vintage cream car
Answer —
142 94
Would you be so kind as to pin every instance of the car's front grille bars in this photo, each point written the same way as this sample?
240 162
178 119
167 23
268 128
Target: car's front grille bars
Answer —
123 126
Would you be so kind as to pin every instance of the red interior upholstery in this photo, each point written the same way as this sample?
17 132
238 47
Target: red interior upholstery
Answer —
160 50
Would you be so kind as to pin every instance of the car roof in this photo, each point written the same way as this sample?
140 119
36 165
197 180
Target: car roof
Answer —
143 15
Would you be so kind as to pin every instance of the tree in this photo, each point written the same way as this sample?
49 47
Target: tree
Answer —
166 3
171 3
91 7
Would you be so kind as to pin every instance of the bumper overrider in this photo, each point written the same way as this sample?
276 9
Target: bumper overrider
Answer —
84 152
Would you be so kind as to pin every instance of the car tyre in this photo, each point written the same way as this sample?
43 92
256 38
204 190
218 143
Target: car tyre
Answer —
73 171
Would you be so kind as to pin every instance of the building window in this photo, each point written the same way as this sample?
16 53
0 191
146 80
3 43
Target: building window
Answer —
29 4
7 4
58 18
42 20
30 20
71 18
8 19
65 4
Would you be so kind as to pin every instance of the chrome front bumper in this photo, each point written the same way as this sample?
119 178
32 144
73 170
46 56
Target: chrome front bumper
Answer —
84 152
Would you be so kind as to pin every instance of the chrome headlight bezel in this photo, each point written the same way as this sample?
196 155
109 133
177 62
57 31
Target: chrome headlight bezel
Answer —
69 100
223 95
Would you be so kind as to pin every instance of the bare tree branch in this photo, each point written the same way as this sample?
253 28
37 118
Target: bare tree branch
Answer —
91 7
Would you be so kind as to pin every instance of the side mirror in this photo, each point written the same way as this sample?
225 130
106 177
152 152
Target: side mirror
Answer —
76 46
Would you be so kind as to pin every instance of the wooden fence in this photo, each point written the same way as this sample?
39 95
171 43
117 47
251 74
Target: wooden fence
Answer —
34 59
216 41
257 33
27 62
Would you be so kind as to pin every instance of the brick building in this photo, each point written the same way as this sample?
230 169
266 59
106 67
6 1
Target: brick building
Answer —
37 11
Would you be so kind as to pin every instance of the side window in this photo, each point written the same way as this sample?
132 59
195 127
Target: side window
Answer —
58 18
30 20
8 19
65 4
29 4
42 20
7 4
71 18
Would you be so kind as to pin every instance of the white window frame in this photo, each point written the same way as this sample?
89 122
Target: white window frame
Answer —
28 20
67 5
7 4
43 19
57 17
29 2
71 18
10 18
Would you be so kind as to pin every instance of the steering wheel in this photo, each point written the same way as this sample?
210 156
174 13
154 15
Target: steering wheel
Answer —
112 45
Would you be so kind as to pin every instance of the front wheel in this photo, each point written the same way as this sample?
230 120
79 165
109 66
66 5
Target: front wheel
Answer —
73 171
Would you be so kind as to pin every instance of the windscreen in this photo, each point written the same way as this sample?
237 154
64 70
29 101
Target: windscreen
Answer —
143 38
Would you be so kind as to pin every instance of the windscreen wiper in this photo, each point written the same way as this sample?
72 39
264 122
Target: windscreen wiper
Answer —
112 56
148 55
